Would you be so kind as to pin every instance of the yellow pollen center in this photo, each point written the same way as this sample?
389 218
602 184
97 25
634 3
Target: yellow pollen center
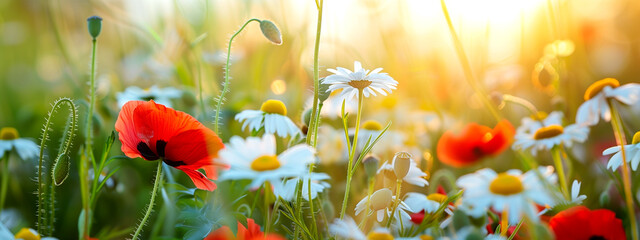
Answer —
274 106
548 132
597 86
27 234
360 84
505 184
636 138
265 163
8 133
426 237
372 125
389 102
438 197
379 236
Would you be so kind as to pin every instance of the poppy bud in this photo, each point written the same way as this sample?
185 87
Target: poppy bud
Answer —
95 25
271 32
61 169
380 199
401 164
370 163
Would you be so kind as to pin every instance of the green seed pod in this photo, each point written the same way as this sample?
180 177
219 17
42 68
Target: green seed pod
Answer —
61 169
380 199
95 25
271 32
306 117
401 164
370 163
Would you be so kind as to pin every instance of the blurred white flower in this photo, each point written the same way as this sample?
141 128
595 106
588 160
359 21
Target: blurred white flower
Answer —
9 139
382 204
597 96
632 153
415 176
533 135
287 190
159 95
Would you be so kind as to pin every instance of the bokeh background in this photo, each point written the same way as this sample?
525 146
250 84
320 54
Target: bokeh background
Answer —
545 51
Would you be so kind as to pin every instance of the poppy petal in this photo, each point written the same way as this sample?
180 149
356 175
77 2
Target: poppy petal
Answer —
155 122
222 233
503 135
196 148
198 179
127 131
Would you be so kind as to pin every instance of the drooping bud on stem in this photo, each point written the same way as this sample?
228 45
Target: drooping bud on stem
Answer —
381 199
401 164
271 31
94 25
370 163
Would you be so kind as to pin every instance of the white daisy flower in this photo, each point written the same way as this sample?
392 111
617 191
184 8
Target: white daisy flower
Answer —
631 150
332 106
346 229
576 198
255 158
369 82
512 191
597 95
381 204
24 233
532 134
9 139
415 176
159 95
286 189
272 116
333 147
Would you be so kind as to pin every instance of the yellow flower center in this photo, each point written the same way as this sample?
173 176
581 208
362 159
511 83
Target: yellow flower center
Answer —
274 106
379 236
359 84
372 125
505 184
548 132
426 237
8 133
438 197
636 138
597 86
540 115
389 102
265 163
27 234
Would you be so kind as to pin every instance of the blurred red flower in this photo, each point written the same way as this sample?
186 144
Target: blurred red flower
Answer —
251 232
581 223
153 131
474 143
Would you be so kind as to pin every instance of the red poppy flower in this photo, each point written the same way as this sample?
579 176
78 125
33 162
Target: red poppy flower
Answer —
581 223
251 232
474 143
153 131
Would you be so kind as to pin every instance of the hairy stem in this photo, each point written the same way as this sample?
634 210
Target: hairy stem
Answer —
225 87
315 113
557 160
396 203
151 201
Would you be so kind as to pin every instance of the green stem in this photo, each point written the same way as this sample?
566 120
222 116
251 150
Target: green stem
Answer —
616 123
372 181
267 196
5 181
314 226
396 203
557 160
151 201
466 67
89 128
351 155
225 87
315 113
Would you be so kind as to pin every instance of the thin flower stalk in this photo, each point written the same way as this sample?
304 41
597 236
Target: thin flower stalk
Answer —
315 113
352 151
5 180
557 161
151 201
396 203
616 123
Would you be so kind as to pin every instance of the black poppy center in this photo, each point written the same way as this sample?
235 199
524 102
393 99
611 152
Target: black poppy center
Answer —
596 237
148 154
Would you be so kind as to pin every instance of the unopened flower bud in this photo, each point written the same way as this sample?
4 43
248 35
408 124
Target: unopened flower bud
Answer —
271 32
306 117
322 91
94 25
401 164
370 163
380 199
